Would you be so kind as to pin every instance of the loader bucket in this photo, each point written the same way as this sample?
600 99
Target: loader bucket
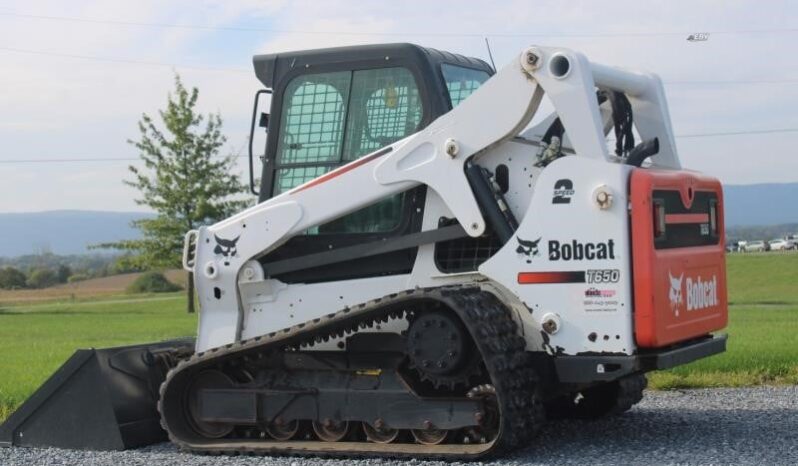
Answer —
100 399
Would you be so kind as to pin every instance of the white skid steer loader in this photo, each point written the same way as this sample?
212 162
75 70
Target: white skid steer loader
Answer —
426 274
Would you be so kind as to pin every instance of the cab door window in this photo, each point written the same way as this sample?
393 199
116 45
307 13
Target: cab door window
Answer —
330 119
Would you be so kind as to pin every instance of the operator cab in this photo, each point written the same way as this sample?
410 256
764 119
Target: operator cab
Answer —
332 106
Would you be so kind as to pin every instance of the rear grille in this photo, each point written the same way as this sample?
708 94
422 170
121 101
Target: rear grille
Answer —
684 227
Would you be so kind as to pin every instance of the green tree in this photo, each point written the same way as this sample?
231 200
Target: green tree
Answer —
184 179
12 279
42 278
64 272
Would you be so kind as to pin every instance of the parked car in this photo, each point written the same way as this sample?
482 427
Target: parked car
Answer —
779 244
755 246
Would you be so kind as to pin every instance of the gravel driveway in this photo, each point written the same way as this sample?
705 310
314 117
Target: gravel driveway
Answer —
718 426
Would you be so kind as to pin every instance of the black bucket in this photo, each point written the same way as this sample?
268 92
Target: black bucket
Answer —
98 400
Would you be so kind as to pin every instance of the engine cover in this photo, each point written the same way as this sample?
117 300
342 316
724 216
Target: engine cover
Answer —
678 256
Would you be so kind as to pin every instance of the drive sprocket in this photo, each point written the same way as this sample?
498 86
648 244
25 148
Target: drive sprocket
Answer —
441 351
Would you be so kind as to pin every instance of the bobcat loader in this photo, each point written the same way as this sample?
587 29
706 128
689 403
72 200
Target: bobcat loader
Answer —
427 274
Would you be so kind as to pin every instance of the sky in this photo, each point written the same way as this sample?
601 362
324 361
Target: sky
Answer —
76 76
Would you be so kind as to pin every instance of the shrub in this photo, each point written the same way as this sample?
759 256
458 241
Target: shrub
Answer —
63 273
152 282
78 277
42 278
12 279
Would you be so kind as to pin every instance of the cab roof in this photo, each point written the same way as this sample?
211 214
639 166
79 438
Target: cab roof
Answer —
272 68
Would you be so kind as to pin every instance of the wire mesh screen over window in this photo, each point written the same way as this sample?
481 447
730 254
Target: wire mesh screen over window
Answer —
313 120
329 119
384 107
462 82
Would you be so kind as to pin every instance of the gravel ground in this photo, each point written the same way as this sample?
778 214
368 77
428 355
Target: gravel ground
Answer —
718 426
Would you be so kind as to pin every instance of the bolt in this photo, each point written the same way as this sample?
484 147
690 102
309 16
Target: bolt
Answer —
451 147
550 326
452 354
474 226
604 197
428 424
327 423
379 423
479 417
532 59
442 364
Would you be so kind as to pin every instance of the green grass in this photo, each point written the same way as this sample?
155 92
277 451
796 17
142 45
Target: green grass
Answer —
763 345
762 349
768 278
35 340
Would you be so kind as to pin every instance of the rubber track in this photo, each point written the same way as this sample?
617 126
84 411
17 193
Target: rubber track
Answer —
495 334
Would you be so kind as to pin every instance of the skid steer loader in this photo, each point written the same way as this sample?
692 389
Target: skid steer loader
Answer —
427 274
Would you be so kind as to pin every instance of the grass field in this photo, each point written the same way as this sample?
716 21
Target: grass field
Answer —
92 289
35 339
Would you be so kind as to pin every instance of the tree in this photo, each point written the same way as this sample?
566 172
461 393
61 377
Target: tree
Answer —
42 278
184 180
12 279
64 272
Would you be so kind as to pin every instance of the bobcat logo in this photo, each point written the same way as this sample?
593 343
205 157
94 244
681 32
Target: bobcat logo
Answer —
675 293
528 248
226 248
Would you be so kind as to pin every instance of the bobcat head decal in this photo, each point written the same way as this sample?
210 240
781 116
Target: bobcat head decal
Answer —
528 248
675 292
226 248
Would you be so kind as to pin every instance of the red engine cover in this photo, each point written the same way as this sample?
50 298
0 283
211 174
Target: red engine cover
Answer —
678 256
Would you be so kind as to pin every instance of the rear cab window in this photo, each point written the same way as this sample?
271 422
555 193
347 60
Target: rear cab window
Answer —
461 82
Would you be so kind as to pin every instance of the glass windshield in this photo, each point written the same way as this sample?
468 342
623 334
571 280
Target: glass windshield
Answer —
329 119
461 82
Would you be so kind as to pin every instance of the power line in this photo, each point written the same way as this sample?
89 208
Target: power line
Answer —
387 33
737 133
689 135
742 81
123 60
88 159
248 72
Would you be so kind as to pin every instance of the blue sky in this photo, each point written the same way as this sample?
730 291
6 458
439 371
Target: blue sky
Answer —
55 105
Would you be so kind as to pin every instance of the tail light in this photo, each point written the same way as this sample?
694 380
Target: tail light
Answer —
659 218
713 217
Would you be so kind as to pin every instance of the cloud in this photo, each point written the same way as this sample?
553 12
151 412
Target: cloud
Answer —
56 106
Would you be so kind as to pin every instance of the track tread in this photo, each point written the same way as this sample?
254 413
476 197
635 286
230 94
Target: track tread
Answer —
491 324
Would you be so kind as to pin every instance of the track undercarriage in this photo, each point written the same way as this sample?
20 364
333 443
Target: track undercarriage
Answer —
467 392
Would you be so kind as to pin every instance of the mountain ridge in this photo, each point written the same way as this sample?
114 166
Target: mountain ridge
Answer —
72 231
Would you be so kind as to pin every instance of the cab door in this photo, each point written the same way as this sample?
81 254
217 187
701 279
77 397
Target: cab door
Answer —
330 119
